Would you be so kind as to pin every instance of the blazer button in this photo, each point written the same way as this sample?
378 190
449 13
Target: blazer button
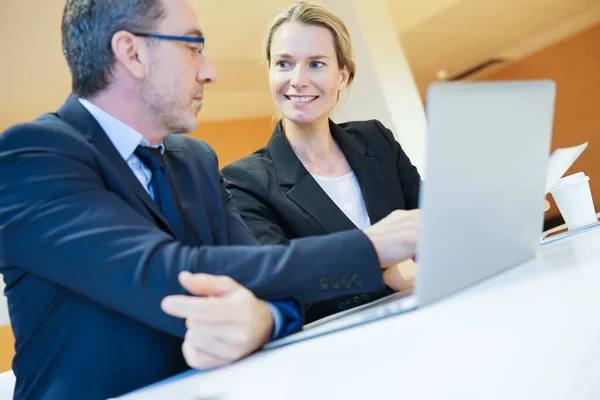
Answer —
346 281
324 283
335 282
365 297
349 303
342 305
356 281
357 300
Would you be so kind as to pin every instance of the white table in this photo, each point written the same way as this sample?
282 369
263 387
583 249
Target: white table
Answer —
532 332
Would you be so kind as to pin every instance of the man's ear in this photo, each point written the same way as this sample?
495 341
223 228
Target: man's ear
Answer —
131 52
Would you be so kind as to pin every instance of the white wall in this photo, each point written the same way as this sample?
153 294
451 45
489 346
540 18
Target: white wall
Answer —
384 87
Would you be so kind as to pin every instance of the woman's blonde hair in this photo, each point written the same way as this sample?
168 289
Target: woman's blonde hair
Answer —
307 13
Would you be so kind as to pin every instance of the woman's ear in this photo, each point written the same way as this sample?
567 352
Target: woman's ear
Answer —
344 78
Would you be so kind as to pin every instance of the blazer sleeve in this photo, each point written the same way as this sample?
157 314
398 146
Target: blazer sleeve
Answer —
290 311
237 230
59 222
251 200
407 173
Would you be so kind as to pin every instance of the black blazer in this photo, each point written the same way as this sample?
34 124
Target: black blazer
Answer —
87 257
279 200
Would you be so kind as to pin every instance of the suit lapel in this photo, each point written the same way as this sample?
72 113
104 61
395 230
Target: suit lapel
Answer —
301 187
308 195
186 188
368 173
77 116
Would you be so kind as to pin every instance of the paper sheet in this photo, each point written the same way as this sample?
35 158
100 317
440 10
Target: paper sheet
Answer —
560 161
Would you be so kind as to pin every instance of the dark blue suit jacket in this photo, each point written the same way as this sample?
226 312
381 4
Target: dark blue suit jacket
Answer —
87 257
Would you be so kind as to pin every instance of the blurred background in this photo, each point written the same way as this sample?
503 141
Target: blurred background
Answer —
441 40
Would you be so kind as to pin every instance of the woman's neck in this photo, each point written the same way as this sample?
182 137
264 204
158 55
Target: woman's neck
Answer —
315 148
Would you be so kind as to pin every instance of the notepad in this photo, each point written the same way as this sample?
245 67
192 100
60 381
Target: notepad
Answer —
560 161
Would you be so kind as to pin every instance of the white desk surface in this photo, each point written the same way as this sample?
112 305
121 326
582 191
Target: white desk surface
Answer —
532 332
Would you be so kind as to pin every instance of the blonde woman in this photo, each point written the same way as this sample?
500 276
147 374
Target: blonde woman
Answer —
314 176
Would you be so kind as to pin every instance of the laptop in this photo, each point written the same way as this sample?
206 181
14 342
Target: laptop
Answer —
482 202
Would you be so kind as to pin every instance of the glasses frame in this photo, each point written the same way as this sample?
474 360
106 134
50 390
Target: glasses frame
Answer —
186 39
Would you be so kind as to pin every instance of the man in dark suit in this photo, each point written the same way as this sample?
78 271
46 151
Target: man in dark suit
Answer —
102 209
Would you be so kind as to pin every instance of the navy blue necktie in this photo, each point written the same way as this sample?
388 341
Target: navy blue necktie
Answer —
164 193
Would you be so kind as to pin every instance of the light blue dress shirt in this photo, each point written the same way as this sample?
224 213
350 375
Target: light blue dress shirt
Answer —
126 140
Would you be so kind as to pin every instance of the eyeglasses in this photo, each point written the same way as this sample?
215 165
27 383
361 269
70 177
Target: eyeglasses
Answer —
198 40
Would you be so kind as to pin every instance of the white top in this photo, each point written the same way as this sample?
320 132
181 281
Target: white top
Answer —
345 193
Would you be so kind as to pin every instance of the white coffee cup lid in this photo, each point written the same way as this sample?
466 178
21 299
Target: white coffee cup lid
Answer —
570 180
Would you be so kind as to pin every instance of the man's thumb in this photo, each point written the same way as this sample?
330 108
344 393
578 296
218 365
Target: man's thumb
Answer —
206 284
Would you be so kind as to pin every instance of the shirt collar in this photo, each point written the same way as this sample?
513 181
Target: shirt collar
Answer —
123 137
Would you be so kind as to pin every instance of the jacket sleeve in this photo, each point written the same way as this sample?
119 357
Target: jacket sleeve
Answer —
250 199
407 173
288 315
59 222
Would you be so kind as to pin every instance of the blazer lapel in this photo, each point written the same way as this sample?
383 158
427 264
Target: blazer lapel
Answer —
302 188
77 116
186 187
368 173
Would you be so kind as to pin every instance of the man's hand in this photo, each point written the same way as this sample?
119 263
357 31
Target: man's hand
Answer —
395 237
227 324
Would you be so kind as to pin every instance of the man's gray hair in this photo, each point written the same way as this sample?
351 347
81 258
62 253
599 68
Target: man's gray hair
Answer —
87 30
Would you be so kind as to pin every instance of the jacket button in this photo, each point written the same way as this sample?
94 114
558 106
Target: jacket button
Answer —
365 297
356 281
324 283
349 303
342 305
346 281
335 282
357 300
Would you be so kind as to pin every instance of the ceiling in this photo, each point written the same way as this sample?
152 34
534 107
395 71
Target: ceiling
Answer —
450 35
